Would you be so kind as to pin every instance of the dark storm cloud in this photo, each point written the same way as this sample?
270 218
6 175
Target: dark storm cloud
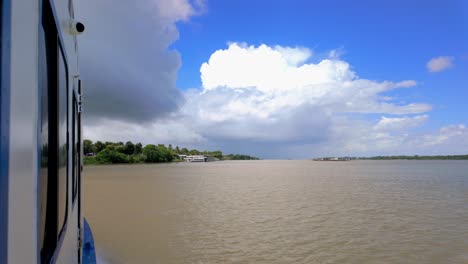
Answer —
127 70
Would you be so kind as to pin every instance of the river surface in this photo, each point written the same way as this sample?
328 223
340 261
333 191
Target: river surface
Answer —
279 212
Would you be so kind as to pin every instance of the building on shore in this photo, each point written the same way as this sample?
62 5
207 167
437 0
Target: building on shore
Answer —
198 158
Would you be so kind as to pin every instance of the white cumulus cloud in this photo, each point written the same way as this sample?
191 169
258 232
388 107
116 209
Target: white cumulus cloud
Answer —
273 99
439 64
269 69
262 82
455 135
398 123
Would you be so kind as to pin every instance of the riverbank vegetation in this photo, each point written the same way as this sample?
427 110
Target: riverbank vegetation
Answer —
119 152
238 157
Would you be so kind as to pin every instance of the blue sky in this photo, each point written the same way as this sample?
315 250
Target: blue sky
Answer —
279 79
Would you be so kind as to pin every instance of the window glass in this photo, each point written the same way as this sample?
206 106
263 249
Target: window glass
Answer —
43 181
62 142
76 149
53 179
47 233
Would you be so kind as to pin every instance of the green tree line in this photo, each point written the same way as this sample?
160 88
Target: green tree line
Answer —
118 152
239 157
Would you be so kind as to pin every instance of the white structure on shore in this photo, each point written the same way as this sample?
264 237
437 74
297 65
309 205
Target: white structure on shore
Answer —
198 158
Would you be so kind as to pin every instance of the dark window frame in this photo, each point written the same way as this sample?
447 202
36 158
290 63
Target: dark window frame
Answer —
76 148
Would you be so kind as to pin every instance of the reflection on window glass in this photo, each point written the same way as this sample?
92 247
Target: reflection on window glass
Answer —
76 149
47 229
44 138
62 142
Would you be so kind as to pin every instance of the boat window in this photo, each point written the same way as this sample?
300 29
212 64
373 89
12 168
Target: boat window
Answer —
44 137
76 149
62 90
53 177
48 183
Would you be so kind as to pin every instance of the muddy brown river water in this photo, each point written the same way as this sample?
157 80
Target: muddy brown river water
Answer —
279 212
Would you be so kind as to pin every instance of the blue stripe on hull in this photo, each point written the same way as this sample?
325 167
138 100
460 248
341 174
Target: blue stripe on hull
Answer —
89 252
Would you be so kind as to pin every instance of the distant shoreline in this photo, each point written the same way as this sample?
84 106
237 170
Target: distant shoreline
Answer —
166 162
399 157
389 158
129 153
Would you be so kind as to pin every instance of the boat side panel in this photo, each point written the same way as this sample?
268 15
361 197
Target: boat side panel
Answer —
63 14
23 154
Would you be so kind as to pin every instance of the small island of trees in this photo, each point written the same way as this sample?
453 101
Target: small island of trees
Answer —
119 152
